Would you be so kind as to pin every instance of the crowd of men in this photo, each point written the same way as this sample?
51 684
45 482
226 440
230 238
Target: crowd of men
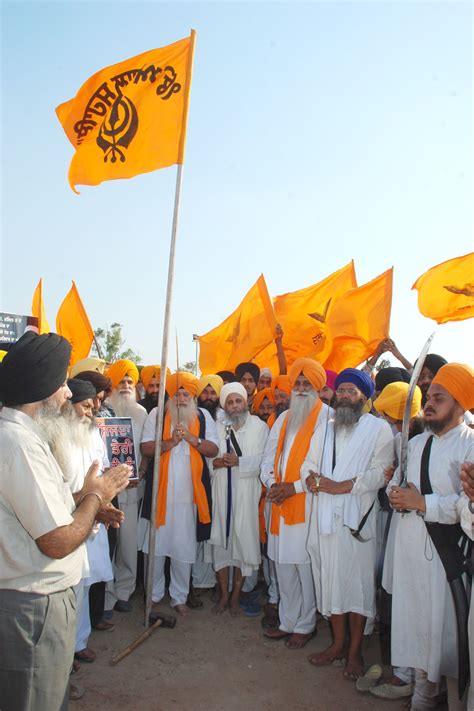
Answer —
297 479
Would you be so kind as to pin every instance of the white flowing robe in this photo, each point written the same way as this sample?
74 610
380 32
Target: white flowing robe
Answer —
290 545
177 538
467 523
243 546
98 567
423 619
344 567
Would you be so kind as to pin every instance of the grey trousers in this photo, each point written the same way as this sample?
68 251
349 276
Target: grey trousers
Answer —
37 635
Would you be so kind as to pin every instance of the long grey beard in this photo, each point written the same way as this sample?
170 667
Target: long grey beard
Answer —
123 404
182 414
236 419
348 415
300 407
66 433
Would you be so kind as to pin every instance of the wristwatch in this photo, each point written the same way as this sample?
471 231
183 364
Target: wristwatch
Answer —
199 442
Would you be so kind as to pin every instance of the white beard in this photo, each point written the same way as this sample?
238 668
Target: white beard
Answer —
182 414
300 407
66 433
124 404
237 420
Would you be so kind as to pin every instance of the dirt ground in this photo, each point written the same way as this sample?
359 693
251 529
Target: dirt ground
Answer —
214 664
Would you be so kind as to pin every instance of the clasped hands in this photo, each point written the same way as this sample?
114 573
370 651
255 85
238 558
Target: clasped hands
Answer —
229 459
180 433
279 492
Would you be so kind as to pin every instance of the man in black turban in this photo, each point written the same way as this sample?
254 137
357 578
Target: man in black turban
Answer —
41 556
432 364
385 376
248 375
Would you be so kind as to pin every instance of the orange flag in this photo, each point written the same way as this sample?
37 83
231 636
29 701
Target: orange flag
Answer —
37 309
302 315
357 323
251 327
446 291
130 118
73 323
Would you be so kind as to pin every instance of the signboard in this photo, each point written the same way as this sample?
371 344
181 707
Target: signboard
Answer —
117 435
13 326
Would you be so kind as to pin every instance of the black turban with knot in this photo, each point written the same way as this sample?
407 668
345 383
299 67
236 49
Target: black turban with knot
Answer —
434 362
34 368
81 390
385 376
251 368
98 380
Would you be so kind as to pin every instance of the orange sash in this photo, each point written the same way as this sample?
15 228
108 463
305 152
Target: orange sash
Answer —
200 498
293 508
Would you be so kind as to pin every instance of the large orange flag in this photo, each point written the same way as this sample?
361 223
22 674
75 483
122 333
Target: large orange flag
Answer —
73 323
37 309
251 327
130 118
446 291
302 315
356 324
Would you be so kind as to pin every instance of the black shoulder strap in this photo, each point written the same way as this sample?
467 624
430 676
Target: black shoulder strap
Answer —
202 424
449 539
235 444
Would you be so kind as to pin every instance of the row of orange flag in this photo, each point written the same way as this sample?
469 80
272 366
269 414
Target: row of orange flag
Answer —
334 321
72 321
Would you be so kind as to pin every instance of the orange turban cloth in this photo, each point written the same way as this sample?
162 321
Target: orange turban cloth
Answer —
215 381
311 369
282 382
260 396
392 399
458 380
118 370
182 379
151 371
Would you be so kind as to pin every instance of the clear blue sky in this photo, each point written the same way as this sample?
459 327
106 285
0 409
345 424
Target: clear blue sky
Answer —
318 132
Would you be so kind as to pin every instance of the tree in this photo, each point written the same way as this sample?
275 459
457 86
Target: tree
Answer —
384 363
189 366
111 343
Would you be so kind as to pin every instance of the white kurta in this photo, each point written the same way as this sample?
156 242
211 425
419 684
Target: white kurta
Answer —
423 618
290 545
243 547
344 567
177 538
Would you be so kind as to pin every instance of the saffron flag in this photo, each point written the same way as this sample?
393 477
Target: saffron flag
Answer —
356 324
302 315
37 309
446 291
131 117
73 323
250 328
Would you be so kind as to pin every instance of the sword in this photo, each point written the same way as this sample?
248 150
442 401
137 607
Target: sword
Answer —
228 430
407 412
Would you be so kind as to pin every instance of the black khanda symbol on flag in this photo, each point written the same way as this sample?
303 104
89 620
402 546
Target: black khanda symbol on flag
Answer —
118 129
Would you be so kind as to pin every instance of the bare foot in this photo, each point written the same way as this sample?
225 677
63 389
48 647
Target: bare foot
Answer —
235 610
330 655
182 610
220 607
353 670
298 641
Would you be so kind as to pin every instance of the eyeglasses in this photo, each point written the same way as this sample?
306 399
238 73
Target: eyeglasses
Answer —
349 391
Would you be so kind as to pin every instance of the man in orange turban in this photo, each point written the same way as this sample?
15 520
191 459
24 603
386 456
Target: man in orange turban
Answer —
150 378
183 515
285 453
123 402
263 404
424 628
209 389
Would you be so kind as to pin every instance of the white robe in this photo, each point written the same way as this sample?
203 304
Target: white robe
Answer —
423 618
344 567
243 546
177 538
290 545
467 523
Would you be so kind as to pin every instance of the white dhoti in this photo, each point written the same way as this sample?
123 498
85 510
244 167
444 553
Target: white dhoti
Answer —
297 609
203 575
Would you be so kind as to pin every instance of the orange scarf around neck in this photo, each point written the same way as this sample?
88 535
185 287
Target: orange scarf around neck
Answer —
293 509
200 498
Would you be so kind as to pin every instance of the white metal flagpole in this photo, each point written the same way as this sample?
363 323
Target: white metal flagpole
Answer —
161 400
